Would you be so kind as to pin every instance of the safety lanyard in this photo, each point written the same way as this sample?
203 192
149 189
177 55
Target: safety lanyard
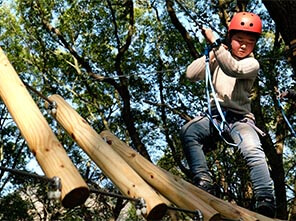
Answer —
222 127
285 117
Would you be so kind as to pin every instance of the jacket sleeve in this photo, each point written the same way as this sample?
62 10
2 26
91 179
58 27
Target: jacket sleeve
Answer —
242 69
196 70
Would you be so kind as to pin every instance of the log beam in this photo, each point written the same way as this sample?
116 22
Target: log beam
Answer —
176 189
113 166
42 142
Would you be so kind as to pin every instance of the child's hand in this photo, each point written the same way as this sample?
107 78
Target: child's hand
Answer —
209 35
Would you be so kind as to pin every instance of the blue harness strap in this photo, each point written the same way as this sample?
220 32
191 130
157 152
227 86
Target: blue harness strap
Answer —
285 117
223 127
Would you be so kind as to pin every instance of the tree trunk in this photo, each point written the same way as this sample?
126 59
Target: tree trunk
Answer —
283 13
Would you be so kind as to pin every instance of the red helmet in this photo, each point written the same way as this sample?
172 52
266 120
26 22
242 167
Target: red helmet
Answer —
246 21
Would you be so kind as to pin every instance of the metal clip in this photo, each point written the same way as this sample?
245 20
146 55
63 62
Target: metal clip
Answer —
52 107
141 207
55 188
198 216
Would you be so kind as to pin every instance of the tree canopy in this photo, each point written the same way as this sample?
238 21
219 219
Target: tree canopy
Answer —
121 64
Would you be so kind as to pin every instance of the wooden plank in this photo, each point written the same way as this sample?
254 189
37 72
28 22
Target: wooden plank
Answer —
48 151
112 165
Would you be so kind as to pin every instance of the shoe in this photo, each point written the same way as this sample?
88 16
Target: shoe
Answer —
265 206
205 184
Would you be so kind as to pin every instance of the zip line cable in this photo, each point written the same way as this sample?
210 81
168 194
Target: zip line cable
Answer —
108 77
102 77
283 112
24 173
92 190
54 183
199 25
143 73
37 92
285 118
51 104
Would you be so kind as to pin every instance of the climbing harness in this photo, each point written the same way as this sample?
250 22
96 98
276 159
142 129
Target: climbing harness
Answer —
285 117
252 124
223 127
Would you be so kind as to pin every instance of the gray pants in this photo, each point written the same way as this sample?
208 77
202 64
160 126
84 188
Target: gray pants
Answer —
196 133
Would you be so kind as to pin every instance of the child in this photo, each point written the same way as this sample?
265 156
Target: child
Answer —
233 71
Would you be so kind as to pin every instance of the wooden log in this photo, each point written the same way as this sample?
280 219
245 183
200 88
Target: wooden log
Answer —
112 165
160 179
257 216
167 183
49 153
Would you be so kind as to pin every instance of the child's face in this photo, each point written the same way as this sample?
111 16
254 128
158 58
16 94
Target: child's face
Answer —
242 44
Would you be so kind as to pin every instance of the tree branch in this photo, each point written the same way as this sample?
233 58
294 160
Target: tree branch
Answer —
181 29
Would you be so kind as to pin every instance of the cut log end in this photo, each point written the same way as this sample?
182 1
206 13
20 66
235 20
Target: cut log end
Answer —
157 212
75 197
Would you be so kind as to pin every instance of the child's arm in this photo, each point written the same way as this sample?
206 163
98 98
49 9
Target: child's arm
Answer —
244 68
196 70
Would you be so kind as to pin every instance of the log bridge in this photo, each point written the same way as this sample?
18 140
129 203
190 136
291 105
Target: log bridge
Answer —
131 173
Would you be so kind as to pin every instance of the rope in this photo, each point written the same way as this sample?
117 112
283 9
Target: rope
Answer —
285 117
37 92
24 173
278 98
223 128
199 25
54 183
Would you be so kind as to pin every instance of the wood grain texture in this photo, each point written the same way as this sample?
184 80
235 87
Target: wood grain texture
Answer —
166 184
177 190
48 151
112 165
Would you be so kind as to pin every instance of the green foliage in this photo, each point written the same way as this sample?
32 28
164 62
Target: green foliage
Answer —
13 207
147 82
